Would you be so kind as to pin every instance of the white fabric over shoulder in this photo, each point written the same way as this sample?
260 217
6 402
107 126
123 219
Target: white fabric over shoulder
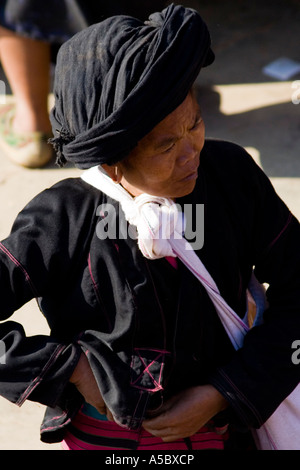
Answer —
160 234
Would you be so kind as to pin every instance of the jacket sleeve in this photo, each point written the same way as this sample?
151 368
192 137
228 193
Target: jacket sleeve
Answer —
262 374
38 256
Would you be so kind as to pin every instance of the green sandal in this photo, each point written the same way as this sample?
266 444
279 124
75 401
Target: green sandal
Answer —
29 149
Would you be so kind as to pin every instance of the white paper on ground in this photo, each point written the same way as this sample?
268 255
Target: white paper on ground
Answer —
282 68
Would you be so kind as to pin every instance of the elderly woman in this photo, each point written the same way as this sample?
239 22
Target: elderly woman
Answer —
138 357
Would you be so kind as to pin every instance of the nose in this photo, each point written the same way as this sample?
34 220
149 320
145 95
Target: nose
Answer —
188 151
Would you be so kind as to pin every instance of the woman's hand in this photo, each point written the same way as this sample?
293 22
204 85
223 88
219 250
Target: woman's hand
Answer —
184 414
83 378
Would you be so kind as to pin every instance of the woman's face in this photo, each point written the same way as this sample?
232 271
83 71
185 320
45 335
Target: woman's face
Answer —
165 161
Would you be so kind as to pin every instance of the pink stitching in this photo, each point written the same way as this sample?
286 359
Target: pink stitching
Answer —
163 319
97 290
162 351
282 231
146 370
34 383
140 397
91 274
251 406
58 417
57 427
19 265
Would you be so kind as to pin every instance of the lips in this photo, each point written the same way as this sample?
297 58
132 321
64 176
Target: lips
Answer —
191 175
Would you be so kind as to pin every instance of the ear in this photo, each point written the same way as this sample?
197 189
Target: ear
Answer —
113 171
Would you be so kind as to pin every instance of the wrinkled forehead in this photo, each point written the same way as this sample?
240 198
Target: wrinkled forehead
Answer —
171 127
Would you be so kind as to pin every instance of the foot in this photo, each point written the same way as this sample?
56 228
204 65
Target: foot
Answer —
28 148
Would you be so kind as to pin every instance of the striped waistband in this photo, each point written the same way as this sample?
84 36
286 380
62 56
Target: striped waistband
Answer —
87 433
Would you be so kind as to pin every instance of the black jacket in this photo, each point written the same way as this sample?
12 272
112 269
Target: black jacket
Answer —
134 316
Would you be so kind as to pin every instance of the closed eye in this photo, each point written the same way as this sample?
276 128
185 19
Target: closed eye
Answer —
197 123
169 148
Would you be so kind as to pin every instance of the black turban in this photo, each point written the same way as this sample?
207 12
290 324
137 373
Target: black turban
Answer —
116 80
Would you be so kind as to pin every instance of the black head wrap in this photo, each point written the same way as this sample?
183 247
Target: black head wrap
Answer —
116 80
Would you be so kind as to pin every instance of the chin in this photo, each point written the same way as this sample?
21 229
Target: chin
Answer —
184 191
172 193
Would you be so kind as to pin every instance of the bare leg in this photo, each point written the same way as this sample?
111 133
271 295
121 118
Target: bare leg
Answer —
26 63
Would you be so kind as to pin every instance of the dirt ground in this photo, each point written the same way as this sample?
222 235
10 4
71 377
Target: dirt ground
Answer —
239 103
